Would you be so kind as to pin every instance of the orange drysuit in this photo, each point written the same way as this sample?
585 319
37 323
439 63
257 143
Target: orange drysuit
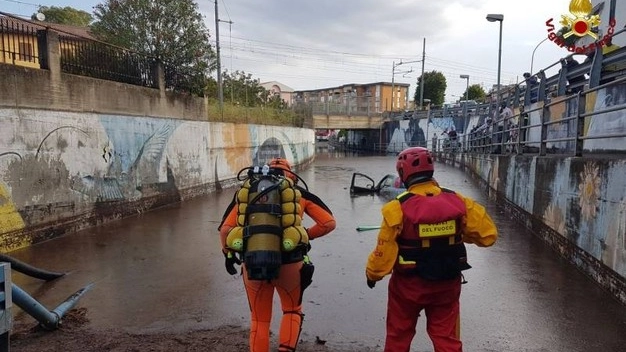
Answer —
411 290
288 285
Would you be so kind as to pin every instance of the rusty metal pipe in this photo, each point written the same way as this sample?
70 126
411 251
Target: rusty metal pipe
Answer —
47 319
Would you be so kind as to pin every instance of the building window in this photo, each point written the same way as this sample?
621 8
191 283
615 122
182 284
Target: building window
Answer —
26 52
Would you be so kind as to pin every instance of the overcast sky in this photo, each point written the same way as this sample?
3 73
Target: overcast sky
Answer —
327 43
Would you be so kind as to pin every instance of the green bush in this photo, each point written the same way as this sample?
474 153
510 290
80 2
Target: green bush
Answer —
257 115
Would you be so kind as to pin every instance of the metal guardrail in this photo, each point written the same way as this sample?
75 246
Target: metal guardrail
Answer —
18 42
6 304
515 134
98 60
25 43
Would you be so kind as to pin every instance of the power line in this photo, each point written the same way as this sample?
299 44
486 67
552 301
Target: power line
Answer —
22 3
303 48
226 8
326 56
323 62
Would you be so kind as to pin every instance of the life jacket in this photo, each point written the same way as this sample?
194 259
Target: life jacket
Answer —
430 244
269 229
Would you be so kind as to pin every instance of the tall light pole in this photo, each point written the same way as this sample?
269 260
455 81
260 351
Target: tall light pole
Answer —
498 18
422 83
465 107
532 58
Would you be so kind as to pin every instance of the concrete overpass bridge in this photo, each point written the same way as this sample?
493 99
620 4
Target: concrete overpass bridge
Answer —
347 122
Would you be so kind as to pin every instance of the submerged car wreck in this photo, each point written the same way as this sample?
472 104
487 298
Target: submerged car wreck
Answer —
388 187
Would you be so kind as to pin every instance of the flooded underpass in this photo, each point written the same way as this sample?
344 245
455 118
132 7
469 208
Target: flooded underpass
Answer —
163 271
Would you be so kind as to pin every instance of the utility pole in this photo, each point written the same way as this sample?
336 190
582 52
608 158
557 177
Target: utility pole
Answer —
220 88
220 92
393 75
422 83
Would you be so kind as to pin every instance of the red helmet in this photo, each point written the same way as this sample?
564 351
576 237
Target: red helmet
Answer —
414 160
282 164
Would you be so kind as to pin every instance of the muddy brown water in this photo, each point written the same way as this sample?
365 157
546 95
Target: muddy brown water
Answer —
162 271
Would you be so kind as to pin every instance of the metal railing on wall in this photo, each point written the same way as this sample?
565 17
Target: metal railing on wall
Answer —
25 43
18 42
99 60
560 125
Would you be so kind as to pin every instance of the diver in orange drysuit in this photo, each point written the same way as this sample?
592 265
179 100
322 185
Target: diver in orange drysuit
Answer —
421 243
294 276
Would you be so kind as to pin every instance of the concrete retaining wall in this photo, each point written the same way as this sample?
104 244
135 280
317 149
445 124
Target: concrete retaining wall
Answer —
576 205
77 151
62 171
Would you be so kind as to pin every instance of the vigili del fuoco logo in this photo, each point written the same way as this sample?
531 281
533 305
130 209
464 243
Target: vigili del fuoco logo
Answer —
581 22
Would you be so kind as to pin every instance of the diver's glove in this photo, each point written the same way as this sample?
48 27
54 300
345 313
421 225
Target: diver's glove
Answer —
230 261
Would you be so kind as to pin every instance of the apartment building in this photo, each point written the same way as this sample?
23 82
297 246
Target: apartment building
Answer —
357 99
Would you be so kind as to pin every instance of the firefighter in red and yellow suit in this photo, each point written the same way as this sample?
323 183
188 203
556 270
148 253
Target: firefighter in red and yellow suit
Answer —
421 243
288 284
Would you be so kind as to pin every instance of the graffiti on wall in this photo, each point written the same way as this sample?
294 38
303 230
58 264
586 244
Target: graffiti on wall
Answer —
585 208
561 126
61 165
605 122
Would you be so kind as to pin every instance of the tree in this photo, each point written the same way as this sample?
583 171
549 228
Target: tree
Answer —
476 92
241 89
274 101
434 87
64 15
171 31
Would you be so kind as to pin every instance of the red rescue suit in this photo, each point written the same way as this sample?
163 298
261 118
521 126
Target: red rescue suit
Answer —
421 244
426 275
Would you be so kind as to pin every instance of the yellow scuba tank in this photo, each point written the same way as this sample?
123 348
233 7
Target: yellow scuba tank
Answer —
259 225
293 231
268 223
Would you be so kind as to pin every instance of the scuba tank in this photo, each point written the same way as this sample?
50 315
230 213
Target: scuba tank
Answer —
268 223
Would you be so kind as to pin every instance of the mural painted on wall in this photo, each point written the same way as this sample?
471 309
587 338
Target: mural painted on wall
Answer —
137 164
238 136
60 165
10 219
259 146
606 123
402 134
269 149
292 147
577 201
560 126
614 254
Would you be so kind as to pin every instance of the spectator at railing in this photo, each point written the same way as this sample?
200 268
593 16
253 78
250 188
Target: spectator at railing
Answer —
574 83
498 134
533 84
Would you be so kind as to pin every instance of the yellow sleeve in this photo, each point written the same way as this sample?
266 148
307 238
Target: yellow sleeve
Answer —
479 227
382 259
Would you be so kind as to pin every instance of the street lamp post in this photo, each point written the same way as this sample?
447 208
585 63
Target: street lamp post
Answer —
532 58
497 18
465 108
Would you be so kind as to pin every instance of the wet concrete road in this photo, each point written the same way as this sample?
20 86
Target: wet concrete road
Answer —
163 271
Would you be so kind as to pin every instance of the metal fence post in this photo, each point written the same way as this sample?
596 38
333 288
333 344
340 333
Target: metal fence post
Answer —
42 46
580 123
545 111
5 306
